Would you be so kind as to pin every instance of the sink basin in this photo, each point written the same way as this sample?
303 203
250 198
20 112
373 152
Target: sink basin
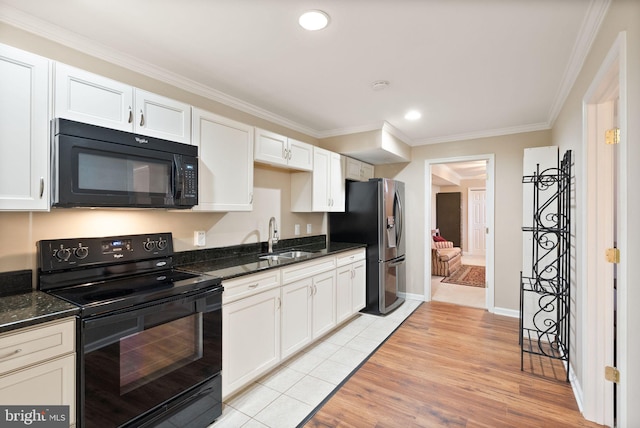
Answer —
295 254
275 257
286 255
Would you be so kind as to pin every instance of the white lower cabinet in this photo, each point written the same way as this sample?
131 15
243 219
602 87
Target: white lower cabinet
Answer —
296 316
38 366
351 284
324 303
250 339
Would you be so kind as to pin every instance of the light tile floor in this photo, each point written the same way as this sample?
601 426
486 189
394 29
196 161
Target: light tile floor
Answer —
460 294
285 396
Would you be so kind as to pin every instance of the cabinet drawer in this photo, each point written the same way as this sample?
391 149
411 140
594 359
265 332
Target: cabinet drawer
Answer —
245 286
350 257
306 269
32 345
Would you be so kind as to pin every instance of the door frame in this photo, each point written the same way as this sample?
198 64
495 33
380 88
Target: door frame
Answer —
490 216
596 309
470 215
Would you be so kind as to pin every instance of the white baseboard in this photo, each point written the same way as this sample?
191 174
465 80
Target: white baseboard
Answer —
577 389
507 312
411 296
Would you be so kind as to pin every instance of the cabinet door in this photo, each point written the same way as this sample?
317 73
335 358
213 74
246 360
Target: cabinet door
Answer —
90 98
225 163
353 169
24 130
344 307
161 117
300 155
296 316
320 192
358 286
366 171
337 187
49 383
270 148
324 303
250 339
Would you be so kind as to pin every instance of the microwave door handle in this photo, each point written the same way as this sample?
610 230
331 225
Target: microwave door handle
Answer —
178 178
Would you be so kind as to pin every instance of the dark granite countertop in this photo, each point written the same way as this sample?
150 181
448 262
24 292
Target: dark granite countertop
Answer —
35 307
235 265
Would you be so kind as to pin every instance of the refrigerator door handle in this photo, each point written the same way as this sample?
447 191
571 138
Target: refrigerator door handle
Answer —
400 218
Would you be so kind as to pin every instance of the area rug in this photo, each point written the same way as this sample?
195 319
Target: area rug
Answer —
472 276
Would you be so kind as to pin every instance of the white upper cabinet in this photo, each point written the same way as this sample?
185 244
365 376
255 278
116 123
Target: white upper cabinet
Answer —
24 131
225 163
323 189
278 150
358 170
86 97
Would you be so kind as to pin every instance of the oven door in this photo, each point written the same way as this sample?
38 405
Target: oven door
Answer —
139 364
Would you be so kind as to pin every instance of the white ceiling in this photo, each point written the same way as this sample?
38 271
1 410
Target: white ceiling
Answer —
474 68
452 174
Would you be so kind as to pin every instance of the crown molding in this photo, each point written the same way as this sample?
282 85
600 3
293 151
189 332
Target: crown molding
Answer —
31 24
483 134
588 31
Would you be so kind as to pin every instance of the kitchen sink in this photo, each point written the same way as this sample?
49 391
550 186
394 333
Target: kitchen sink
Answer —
286 255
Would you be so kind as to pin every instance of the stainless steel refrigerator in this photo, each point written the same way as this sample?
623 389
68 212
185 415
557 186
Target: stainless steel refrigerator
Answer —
374 215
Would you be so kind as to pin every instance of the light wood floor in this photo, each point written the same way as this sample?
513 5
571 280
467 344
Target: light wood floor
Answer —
453 366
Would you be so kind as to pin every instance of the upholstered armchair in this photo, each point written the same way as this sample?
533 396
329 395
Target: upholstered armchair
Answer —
445 258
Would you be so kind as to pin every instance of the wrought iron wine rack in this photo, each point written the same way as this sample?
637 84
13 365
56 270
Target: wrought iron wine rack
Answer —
545 292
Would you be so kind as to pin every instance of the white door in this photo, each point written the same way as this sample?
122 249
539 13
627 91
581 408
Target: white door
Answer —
296 316
477 221
324 306
161 117
300 155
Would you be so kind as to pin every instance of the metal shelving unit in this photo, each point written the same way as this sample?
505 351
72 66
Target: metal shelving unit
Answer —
545 290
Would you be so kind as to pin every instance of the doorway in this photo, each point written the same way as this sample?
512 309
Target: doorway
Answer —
435 170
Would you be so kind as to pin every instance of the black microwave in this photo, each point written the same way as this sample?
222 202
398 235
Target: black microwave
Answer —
92 166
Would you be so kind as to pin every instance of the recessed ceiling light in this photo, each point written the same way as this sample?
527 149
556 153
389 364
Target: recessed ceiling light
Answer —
379 85
413 115
313 20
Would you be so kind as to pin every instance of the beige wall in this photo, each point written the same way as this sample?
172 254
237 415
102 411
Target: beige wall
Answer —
623 15
508 152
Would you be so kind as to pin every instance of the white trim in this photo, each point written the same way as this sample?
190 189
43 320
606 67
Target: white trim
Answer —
513 313
587 34
483 134
490 223
411 296
597 304
577 389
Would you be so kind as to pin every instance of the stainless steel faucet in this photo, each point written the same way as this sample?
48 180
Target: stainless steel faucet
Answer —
273 233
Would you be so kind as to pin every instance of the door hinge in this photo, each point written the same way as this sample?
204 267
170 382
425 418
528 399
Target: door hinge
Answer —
612 136
612 255
612 374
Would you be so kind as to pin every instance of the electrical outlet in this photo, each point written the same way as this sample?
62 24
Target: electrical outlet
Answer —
308 227
199 238
296 229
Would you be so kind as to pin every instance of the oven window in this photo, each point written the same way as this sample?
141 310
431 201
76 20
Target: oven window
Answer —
120 174
150 354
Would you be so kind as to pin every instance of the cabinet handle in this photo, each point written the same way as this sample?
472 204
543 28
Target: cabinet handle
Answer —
141 118
284 154
130 115
12 353
250 198
41 187
279 303
253 285
290 154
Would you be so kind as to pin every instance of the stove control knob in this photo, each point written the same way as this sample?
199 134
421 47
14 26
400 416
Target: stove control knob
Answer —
82 252
162 244
63 254
149 245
